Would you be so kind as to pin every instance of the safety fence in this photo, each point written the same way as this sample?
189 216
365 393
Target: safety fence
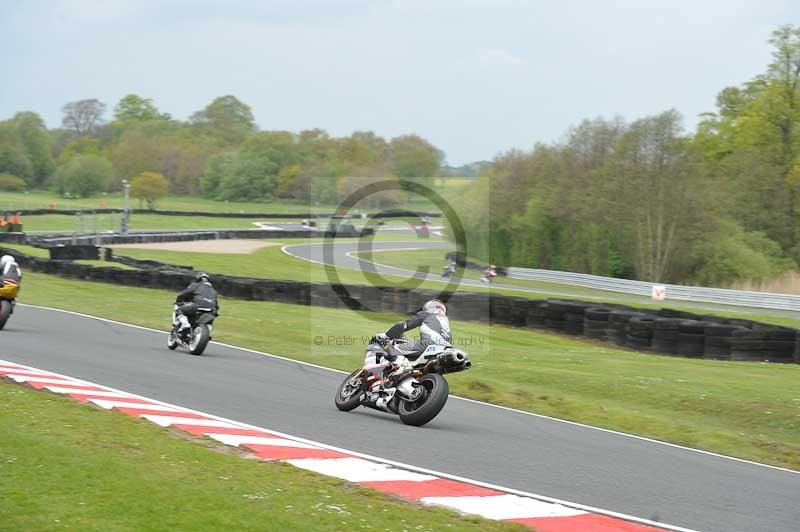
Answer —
670 291
664 331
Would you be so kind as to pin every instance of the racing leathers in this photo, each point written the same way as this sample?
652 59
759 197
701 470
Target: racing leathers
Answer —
199 296
10 280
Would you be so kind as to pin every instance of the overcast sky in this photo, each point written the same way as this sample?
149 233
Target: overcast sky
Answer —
474 77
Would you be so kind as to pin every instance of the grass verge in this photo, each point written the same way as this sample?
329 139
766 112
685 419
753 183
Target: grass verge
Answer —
744 409
66 465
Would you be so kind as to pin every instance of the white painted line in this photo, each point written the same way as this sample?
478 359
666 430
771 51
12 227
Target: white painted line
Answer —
236 440
456 397
166 421
358 470
83 391
20 371
42 380
108 405
501 507
408 467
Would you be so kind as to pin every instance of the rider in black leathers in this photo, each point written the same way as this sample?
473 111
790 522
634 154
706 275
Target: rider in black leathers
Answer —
198 296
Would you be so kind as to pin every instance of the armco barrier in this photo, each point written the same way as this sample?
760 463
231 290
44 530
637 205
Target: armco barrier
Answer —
184 236
680 292
664 331
268 215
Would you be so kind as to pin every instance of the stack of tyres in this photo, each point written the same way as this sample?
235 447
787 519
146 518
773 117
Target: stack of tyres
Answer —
500 309
639 332
665 335
537 313
519 311
574 317
618 325
749 344
718 340
595 322
779 344
691 338
797 348
555 315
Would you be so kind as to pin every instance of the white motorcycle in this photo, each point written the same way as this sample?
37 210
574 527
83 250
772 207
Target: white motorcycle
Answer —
417 396
196 337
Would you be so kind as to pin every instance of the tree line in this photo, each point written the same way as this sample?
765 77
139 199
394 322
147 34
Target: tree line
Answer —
218 153
647 200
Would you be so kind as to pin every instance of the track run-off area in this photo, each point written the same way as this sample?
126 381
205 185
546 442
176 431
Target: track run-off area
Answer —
592 467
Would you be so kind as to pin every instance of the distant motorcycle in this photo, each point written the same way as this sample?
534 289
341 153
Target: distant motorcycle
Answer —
6 310
449 270
196 337
416 396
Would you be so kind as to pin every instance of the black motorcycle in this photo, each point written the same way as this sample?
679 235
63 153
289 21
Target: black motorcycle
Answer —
196 337
6 310
416 396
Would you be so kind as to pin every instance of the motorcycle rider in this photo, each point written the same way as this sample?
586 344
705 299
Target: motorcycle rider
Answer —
449 269
434 328
199 295
10 277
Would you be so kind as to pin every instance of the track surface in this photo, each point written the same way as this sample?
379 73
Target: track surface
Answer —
343 256
588 466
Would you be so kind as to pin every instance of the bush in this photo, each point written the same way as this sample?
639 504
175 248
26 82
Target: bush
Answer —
150 187
84 175
11 182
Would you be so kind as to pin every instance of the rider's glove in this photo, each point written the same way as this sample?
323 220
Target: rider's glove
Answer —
382 337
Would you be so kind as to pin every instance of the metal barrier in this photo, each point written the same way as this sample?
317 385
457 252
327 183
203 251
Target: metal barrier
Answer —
680 292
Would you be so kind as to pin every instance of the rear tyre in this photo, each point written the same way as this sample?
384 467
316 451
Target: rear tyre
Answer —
348 396
5 312
199 340
434 397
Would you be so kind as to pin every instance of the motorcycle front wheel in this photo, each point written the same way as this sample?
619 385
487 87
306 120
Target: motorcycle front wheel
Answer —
348 396
435 392
172 342
5 311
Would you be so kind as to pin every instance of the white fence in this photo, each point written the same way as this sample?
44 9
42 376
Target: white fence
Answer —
680 292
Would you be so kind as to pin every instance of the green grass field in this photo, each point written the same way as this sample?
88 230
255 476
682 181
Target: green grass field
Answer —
272 263
744 409
66 465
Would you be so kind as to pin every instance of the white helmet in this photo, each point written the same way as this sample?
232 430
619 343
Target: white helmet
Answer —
436 307
6 260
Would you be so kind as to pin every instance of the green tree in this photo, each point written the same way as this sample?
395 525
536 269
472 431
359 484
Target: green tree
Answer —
84 117
11 182
413 157
149 187
32 135
134 108
85 175
81 146
14 161
226 117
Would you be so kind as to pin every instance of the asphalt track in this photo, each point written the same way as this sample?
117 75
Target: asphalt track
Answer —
607 470
343 255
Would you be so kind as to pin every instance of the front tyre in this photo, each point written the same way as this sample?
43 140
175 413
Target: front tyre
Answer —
200 338
172 341
5 311
348 396
434 396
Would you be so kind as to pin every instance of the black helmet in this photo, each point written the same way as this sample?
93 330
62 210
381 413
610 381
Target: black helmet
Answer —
199 277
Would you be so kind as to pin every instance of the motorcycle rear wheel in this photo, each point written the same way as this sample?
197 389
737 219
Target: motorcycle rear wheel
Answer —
348 396
434 397
200 337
